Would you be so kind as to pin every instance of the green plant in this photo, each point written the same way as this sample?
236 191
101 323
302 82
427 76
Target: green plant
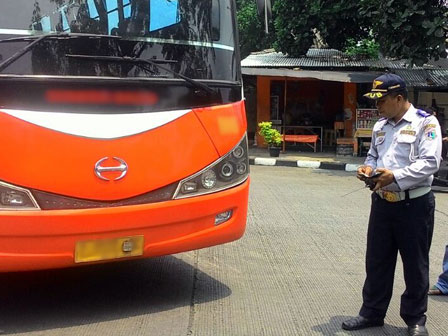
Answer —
365 48
271 136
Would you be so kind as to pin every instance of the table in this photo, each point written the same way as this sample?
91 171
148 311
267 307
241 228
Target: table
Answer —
312 129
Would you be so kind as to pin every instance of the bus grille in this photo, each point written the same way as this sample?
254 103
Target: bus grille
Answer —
49 201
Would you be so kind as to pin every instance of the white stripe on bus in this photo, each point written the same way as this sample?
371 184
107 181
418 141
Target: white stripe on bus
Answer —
16 32
98 126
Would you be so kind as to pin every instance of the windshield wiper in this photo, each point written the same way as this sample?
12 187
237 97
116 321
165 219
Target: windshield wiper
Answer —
140 62
40 38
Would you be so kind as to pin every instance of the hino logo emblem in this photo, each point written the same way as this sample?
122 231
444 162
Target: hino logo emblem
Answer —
122 167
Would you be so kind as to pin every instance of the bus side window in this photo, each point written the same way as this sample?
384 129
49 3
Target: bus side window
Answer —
64 19
43 25
163 13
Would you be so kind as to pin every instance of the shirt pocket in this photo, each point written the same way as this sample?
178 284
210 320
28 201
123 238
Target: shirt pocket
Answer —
405 146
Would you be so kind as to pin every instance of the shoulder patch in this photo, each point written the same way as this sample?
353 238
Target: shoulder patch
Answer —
423 114
431 134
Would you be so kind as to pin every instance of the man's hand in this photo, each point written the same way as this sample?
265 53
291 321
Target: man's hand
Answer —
364 170
386 178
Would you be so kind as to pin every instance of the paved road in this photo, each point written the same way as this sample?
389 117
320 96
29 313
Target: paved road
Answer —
298 271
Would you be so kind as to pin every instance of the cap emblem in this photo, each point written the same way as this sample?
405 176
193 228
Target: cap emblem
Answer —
376 83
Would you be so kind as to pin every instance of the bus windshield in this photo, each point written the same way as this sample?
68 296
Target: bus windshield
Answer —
193 37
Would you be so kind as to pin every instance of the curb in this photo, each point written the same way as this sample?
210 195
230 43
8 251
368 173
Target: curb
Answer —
348 167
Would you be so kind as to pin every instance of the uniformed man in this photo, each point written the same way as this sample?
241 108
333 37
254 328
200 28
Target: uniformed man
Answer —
405 149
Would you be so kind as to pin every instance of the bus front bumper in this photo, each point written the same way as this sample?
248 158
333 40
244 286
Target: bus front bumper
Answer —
31 240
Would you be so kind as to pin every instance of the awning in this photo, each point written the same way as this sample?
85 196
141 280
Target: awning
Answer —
335 76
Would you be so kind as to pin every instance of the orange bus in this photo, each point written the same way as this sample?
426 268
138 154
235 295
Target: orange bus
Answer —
122 130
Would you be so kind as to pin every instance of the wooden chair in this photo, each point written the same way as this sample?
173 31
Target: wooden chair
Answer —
329 137
339 129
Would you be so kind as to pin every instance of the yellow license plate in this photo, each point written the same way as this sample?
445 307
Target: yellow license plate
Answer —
106 249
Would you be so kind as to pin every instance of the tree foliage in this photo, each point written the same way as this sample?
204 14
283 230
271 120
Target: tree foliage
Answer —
340 21
336 21
294 22
251 28
410 29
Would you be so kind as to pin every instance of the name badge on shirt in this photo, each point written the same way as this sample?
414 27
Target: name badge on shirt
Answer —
408 132
407 135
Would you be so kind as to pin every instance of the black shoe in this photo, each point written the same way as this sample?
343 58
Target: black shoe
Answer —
359 322
417 330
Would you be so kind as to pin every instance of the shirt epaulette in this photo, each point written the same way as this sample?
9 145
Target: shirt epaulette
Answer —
380 124
423 114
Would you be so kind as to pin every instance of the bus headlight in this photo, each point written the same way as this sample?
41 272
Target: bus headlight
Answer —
230 170
16 198
241 168
208 179
226 170
238 152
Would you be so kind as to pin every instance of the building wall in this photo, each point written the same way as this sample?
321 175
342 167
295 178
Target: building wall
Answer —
350 103
263 103
323 100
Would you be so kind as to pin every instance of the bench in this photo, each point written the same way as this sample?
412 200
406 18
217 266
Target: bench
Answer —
310 140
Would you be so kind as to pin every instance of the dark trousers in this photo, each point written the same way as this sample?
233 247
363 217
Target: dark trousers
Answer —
405 227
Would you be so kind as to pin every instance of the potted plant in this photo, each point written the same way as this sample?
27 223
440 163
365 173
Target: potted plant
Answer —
271 137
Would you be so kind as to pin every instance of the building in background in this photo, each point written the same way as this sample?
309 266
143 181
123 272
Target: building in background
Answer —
322 93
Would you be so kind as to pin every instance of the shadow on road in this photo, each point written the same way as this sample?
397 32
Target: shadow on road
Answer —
333 328
34 301
439 298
